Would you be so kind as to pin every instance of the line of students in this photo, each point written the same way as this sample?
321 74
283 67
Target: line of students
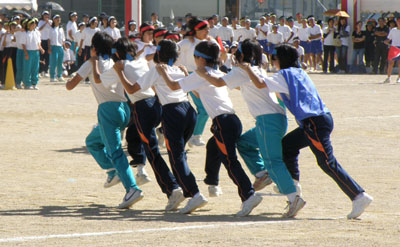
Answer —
171 85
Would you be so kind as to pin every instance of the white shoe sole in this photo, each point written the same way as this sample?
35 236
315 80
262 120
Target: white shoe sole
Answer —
174 201
255 200
137 196
365 201
199 204
300 203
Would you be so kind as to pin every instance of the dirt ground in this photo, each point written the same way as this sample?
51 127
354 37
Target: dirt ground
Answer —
52 190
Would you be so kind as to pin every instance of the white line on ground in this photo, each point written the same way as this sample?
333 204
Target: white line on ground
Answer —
165 229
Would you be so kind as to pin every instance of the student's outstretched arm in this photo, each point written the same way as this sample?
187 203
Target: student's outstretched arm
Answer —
257 81
71 84
130 87
173 85
216 81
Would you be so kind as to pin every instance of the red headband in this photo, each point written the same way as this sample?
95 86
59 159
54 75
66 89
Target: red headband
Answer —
144 29
173 36
160 33
201 24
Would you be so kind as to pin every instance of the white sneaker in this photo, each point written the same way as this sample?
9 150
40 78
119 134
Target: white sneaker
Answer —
360 203
387 80
142 177
214 191
46 75
262 182
175 200
34 87
112 179
28 88
130 198
196 141
53 80
249 205
161 138
398 80
194 203
294 207
60 79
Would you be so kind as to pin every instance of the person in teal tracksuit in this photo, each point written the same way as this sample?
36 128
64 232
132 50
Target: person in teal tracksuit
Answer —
20 35
32 47
56 51
104 141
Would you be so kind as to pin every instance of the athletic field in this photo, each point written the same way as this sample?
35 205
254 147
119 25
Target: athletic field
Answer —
52 190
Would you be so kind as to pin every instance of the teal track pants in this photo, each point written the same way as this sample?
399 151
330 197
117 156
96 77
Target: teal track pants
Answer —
266 139
31 71
202 116
56 61
20 67
104 142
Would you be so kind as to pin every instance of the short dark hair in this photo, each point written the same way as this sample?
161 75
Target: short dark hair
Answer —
252 52
210 49
287 56
102 43
124 46
166 50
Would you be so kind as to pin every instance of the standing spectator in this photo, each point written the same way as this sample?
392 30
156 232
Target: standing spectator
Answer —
78 39
86 42
299 20
155 22
72 28
216 20
185 27
295 29
226 32
262 30
213 28
285 29
132 28
179 27
274 38
304 35
44 28
85 18
248 32
3 34
369 46
394 36
358 38
237 29
56 50
20 36
329 48
10 49
316 42
68 60
344 33
381 49
112 29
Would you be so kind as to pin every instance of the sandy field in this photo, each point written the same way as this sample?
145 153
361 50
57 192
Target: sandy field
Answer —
51 189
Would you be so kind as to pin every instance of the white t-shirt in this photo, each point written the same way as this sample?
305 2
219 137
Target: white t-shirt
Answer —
315 30
345 40
276 83
186 53
226 33
214 32
328 40
300 51
275 38
132 33
78 38
141 45
259 101
394 35
237 33
303 33
298 24
248 34
71 26
285 30
264 28
57 36
112 93
228 61
164 93
133 70
33 40
46 30
10 43
149 50
21 39
216 100
113 32
69 55
88 34
295 31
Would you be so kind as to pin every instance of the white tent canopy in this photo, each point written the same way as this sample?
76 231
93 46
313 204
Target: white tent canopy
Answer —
19 4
